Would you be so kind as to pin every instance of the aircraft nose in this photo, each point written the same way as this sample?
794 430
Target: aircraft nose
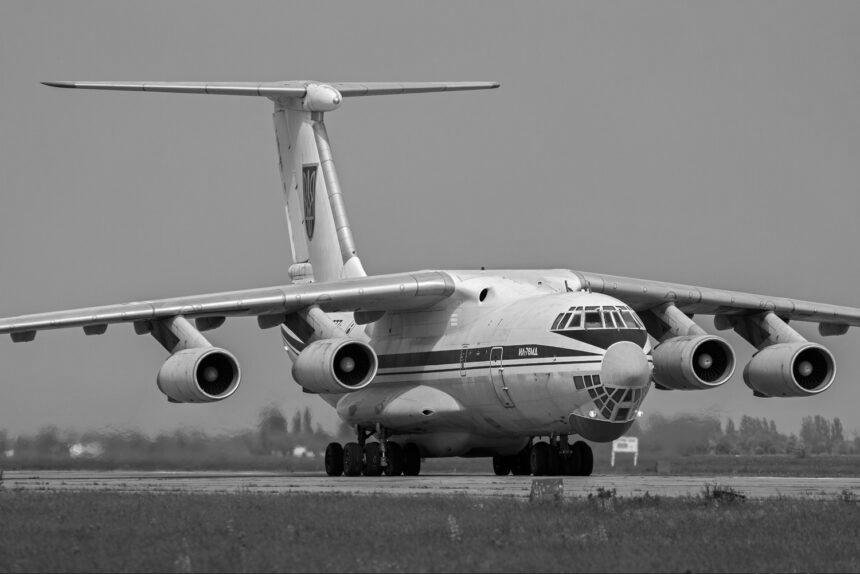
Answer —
625 366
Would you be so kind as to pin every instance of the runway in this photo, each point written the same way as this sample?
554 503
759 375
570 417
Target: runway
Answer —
435 484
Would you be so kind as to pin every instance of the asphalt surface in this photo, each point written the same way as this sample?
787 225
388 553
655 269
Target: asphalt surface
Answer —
435 484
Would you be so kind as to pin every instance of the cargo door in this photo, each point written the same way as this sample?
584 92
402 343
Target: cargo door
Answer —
497 376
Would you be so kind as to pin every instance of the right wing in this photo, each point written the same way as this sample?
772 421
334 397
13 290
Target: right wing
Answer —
396 292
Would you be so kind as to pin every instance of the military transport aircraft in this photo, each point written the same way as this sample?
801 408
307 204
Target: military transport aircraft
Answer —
508 364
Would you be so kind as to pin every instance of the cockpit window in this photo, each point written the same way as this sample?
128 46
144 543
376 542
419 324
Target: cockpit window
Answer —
592 318
607 319
595 317
631 319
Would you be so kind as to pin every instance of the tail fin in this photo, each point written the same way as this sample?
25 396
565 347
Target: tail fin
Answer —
322 245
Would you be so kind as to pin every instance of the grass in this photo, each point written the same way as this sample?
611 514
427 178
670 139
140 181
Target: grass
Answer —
55 531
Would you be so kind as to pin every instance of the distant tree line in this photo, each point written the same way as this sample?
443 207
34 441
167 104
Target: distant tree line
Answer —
704 434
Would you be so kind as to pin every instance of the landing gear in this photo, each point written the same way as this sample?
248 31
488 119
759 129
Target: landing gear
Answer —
553 458
353 459
521 464
411 459
334 459
586 458
372 459
395 459
541 459
502 465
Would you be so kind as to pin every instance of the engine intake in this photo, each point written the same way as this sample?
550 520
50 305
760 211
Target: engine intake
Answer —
199 375
693 362
335 366
790 370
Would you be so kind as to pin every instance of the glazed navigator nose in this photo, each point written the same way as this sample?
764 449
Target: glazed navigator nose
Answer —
625 366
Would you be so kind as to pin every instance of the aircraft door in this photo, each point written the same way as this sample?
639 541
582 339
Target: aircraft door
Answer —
497 376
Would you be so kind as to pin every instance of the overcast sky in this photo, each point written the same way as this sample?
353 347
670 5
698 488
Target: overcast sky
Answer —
715 144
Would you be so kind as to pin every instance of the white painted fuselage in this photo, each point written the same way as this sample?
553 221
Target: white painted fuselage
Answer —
495 364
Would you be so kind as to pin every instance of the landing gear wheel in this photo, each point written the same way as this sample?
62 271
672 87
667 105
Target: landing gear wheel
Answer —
395 459
586 458
372 459
572 462
411 459
501 465
555 461
334 459
540 459
353 459
521 465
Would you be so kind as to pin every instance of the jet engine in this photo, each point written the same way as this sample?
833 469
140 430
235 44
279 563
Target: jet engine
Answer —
199 375
798 369
335 366
693 362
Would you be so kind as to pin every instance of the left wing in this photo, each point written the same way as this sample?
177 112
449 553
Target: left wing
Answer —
396 292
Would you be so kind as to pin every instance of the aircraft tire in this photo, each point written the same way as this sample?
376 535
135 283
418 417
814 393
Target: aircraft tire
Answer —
353 459
572 463
521 465
334 459
540 459
411 459
372 459
395 459
501 465
586 458
556 464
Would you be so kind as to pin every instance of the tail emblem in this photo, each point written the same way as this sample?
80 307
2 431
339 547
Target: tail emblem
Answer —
309 186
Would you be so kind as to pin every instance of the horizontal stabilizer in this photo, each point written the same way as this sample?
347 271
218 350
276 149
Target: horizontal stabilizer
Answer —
297 89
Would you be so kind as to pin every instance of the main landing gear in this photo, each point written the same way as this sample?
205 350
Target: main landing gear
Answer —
553 458
372 458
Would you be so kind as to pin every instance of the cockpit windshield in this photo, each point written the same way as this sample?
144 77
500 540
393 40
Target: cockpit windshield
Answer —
594 317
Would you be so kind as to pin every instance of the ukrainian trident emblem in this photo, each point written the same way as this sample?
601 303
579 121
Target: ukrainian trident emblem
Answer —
309 187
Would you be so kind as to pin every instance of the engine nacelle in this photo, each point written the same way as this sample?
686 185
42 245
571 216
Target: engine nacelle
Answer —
335 366
199 375
797 369
693 362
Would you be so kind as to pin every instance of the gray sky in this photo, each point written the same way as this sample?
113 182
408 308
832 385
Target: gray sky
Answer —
714 144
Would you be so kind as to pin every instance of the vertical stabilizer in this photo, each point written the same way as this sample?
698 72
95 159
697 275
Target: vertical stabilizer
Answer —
319 229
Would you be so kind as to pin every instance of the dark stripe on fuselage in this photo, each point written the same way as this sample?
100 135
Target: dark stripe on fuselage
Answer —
604 338
595 366
475 355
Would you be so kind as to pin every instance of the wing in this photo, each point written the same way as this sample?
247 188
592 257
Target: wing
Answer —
643 294
397 292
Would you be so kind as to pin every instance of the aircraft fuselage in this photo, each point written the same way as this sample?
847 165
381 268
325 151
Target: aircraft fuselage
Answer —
511 355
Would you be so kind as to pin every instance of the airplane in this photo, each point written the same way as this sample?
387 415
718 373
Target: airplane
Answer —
509 364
